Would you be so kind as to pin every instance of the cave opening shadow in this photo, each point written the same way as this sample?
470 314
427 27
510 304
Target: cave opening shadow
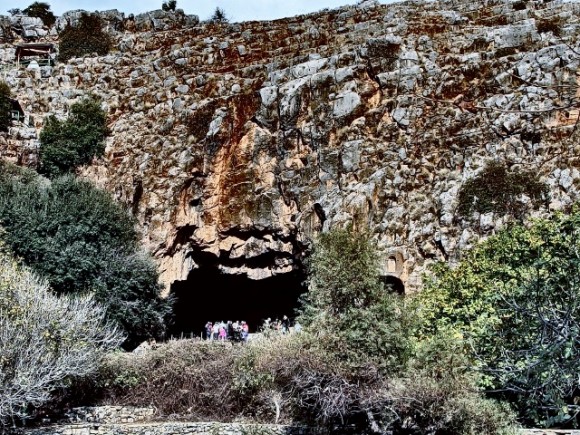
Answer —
209 295
393 284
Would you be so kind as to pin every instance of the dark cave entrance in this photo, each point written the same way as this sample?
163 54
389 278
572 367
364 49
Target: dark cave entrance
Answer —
393 284
209 295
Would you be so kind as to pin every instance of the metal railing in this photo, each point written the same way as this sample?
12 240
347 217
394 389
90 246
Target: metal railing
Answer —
40 62
5 67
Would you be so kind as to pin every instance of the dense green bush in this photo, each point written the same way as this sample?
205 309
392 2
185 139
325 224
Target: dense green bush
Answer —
498 190
45 340
87 37
438 395
515 300
80 240
41 10
5 106
348 307
75 141
373 373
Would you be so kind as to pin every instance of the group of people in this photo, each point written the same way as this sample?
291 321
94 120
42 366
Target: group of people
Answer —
277 325
239 331
227 331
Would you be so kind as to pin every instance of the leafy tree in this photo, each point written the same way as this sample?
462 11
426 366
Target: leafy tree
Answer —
169 5
355 318
86 37
5 106
219 16
514 299
41 10
75 141
45 340
14 11
80 240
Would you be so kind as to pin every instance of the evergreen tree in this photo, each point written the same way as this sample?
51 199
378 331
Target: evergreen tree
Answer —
81 241
347 307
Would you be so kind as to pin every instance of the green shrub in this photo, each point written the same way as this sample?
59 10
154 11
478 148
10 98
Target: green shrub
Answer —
514 299
87 37
80 240
438 394
41 10
5 106
498 190
75 141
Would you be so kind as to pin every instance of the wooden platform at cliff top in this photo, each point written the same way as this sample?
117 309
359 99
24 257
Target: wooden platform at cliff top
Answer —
37 51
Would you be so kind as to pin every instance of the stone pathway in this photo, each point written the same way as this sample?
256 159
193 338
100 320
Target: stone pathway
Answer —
550 432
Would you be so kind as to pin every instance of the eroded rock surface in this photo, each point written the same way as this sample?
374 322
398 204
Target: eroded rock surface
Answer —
235 144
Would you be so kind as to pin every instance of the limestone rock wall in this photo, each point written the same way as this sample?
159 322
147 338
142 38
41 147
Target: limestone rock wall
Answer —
235 144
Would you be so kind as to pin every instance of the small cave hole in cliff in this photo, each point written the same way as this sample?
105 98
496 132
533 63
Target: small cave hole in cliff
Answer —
209 295
394 284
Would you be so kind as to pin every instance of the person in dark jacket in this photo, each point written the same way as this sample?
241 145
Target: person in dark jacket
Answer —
285 325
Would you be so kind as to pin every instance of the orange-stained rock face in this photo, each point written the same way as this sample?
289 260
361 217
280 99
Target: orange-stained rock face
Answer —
239 143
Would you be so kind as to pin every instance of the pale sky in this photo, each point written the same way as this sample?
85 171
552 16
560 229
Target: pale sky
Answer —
236 10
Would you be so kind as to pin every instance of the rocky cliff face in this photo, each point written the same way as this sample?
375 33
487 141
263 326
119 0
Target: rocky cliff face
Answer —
235 144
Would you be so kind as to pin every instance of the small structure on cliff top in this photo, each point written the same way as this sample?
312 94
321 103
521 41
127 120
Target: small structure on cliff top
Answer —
40 52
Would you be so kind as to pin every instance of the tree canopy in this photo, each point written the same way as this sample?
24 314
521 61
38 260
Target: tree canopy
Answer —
86 37
497 189
347 305
169 5
515 300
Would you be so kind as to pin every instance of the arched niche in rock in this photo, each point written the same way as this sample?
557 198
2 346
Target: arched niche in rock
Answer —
393 284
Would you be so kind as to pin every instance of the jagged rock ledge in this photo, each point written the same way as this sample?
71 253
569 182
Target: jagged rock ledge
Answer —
236 144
